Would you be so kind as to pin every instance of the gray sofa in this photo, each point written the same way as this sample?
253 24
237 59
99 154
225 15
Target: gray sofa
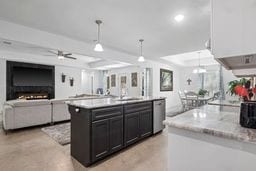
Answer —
25 113
22 113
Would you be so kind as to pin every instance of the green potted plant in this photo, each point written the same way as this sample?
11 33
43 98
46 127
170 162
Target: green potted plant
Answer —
202 92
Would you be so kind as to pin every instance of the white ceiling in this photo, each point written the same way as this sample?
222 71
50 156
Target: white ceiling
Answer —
49 55
124 22
192 58
20 47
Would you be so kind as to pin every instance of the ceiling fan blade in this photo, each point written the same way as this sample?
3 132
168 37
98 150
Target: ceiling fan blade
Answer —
52 52
67 54
49 55
70 57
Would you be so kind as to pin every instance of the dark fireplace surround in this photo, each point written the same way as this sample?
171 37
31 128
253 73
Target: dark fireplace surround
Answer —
29 81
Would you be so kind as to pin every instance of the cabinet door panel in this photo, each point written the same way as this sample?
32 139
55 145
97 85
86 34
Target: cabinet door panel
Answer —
116 133
145 123
100 139
132 127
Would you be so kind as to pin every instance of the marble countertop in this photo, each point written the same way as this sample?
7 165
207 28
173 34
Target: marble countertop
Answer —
221 121
225 103
104 102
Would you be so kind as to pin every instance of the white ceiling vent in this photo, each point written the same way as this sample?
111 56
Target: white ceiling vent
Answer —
248 59
238 62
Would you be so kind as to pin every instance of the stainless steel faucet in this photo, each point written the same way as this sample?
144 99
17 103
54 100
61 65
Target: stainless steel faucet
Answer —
123 93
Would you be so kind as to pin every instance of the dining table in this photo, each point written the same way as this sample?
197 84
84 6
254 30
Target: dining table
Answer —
199 100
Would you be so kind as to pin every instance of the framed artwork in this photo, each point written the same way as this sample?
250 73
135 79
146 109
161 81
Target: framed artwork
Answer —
123 81
166 80
108 83
113 80
134 79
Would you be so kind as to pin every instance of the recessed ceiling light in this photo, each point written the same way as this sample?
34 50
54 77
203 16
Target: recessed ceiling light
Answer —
179 17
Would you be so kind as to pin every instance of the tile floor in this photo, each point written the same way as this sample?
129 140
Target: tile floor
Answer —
31 149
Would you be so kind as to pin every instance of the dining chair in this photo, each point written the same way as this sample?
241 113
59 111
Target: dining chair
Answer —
192 99
216 95
183 100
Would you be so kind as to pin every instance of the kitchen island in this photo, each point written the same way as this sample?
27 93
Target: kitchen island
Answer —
210 138
100 127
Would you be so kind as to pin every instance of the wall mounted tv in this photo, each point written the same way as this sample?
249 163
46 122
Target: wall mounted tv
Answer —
29 78
26 76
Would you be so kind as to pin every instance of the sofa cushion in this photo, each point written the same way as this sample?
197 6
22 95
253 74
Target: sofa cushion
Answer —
59 101
22 103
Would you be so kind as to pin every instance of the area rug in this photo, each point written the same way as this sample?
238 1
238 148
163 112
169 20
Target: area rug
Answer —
60 133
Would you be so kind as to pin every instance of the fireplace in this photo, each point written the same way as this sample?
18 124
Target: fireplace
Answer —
29 81
32 96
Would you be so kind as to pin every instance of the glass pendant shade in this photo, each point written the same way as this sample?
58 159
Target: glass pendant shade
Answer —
60 57
98 48
199 70
141 59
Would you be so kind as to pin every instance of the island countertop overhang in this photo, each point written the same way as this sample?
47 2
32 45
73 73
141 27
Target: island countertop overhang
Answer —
220 121
107 102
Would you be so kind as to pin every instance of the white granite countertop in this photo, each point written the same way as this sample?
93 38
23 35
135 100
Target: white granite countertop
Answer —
221 121
104 102
225 103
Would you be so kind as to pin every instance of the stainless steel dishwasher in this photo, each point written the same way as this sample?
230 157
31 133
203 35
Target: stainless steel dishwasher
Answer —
158 115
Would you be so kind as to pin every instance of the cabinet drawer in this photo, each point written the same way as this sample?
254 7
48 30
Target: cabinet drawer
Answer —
104 113
136 107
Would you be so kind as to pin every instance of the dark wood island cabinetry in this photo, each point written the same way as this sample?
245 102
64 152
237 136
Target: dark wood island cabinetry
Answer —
97 132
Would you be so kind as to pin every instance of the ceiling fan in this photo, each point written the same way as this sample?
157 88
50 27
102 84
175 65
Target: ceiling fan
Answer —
62 55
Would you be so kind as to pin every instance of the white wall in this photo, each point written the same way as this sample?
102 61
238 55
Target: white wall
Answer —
172 97
86 82
64 90
186 73
98 80
126 71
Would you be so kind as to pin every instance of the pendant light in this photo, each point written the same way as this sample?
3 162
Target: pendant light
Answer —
98 47
141 58
199 69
